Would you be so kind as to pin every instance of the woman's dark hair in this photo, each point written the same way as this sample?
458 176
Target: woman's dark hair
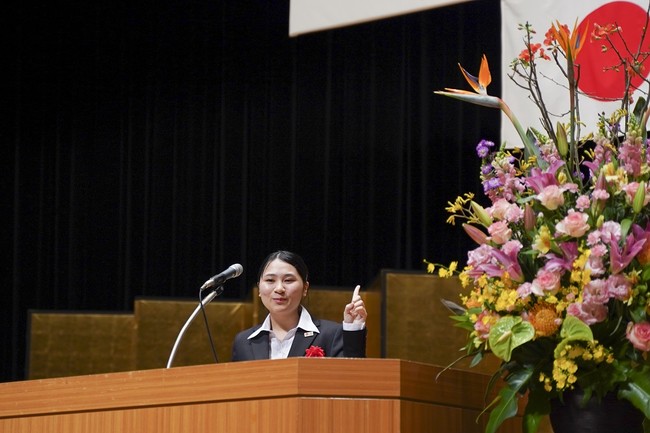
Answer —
288 257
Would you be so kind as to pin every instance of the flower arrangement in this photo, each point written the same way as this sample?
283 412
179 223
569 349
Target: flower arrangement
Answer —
558 286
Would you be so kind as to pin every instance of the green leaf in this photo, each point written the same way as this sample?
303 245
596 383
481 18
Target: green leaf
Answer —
639 108
505 408
509 333
637 389
506 402
531 149
562 144
538 406
477 358
645 275
573 329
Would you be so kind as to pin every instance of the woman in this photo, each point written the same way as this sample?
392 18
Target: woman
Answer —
289 330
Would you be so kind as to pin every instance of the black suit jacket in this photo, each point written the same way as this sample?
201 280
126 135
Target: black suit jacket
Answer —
332 339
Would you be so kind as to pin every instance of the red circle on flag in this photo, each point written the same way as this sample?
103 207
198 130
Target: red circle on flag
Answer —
597 78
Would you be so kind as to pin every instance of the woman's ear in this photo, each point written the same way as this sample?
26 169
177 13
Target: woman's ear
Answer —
304 289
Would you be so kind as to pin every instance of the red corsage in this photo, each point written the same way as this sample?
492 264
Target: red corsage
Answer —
314 352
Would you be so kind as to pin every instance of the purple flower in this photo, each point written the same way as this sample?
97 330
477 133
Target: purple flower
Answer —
483 148
491 184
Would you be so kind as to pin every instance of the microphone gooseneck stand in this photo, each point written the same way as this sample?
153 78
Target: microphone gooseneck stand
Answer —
205 301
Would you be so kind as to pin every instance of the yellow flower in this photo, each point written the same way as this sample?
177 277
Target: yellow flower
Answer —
564 373
542 241
464 277
442 271
506 300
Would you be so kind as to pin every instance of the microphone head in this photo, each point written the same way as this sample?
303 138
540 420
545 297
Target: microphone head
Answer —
237 268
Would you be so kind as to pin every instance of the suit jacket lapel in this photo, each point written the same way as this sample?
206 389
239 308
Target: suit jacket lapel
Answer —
301 342
260 346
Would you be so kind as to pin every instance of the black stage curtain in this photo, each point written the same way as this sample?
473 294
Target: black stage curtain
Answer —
152 144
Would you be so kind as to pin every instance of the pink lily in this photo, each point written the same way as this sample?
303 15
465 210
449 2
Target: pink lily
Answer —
539 179
564 262
619 259
510 264
476 234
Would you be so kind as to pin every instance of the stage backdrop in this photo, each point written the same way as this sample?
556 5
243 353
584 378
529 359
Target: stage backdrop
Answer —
151 145
600 91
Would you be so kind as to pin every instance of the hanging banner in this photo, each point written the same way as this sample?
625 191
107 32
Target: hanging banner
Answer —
307 16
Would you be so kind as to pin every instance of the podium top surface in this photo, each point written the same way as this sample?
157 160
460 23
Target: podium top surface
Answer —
293 377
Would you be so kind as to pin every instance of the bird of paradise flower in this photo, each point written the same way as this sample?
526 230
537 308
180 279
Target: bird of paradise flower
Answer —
481 97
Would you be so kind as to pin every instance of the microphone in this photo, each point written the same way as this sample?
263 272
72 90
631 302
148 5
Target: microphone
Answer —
232 272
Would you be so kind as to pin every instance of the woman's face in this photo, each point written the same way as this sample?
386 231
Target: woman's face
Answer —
281 288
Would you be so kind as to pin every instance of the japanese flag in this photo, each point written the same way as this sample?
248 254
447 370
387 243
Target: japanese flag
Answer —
599 85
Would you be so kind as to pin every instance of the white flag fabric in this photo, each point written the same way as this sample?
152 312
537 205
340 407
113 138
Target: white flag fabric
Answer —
600 85
314 15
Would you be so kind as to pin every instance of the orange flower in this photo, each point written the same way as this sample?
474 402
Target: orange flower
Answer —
601 32
570 42
544 319
528 54
480 83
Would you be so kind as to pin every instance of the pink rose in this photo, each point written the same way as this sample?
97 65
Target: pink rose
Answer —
551 197
574 224
500 232
502 209
499 209
639 335
545 282
314 352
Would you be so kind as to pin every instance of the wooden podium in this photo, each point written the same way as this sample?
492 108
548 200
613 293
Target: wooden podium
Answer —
295 395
